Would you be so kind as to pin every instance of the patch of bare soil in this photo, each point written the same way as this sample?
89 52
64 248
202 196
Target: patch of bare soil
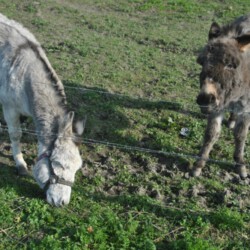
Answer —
160 181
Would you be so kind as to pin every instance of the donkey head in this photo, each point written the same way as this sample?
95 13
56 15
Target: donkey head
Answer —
55 172
223 70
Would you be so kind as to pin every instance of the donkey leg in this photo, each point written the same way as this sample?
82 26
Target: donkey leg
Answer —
240 135
211 136
12 119
232 120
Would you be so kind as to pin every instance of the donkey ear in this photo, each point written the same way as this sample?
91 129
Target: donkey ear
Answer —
244 42
215 31
79 126
67 124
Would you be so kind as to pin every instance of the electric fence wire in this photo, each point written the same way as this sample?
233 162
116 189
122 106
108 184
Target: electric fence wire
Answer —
178 106
89 141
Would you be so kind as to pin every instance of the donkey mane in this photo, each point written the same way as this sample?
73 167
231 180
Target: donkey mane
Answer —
58 84
32 43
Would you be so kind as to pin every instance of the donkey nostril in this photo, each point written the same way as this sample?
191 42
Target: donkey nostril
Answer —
200 100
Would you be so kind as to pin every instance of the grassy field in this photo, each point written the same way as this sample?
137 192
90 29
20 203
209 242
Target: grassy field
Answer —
130 66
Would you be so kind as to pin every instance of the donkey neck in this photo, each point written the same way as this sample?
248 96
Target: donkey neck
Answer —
47 128
48 112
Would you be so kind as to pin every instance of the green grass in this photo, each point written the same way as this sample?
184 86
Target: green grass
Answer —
145 51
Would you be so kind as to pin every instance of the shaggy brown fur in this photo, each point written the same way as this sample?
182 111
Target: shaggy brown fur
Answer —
225 85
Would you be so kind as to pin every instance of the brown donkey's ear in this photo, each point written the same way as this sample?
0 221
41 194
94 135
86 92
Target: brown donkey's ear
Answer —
214 31
244 42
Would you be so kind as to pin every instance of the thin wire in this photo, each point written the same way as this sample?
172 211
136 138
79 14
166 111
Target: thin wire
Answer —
176 105
152 151
112 93
181 105
89 141
119 95
116 145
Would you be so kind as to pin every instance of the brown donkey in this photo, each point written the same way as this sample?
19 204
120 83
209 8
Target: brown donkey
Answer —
225 86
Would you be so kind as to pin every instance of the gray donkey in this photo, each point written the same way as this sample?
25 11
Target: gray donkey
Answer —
225 85
29 86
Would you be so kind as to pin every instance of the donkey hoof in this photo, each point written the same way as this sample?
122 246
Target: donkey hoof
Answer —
196 172
22 171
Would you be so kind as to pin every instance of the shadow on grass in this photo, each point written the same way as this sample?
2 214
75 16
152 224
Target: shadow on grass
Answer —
107 120
93 97
23 186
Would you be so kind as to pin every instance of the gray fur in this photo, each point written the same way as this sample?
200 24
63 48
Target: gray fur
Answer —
29 86
225 84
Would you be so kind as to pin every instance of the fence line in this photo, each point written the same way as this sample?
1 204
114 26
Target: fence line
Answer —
152 151
89 141
172 104
119 95
84 89
180 105
127 147
175 104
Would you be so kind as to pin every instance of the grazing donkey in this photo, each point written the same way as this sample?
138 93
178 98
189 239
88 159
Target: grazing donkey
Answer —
225 85
29 86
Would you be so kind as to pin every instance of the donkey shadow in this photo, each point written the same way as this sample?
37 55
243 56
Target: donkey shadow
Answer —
105 118
24 186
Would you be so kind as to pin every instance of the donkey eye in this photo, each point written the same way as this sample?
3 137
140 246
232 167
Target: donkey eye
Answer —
230 66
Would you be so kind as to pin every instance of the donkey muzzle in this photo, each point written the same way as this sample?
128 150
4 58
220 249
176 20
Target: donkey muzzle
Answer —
207 102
